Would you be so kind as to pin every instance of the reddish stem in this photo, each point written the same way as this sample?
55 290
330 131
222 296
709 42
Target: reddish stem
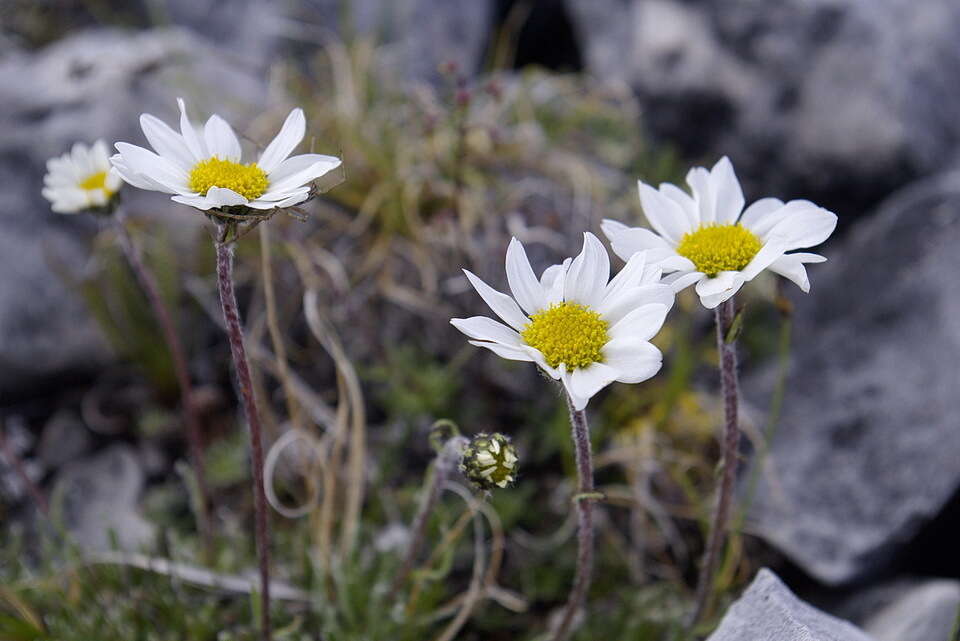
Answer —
581 583
728 459
231 316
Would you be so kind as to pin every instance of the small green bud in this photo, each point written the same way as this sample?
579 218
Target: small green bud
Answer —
490 461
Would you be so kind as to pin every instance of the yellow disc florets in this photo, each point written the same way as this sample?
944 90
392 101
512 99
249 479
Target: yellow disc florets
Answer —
567 333
719 248
247 180
96 181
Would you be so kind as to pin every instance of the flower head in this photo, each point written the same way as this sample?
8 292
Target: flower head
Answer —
706 238
490 461
579 328
203 169
81 179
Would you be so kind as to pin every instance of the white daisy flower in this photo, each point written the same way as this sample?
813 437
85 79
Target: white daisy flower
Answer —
80 179
202 168
581 329
703 238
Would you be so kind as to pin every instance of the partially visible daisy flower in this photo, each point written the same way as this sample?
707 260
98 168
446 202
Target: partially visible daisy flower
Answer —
579 328
202 168
81 179
703 239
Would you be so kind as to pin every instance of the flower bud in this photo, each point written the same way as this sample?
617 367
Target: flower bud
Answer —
490 461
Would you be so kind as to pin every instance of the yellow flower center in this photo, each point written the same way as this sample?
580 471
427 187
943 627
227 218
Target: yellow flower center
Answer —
247 180
719 248
567 333
96 181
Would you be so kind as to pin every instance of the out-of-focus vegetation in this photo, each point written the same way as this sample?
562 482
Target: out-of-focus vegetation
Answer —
347 320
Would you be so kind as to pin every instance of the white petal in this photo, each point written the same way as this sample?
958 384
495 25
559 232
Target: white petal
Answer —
287 199
486 329
100 156
524 285
65 165
167 142
588 274
807 227
626 241
679 281
651 275
677 263
113 180
727 192
537 357
58 178
634 360
96 197
770 252
552 273
642 323
687 204
505 351
295 199
616 307
757 218
699 180
79 156
196 201
154 168
713 291
276 196
190 138
587 381
501 304
552 280
296 164
579 402
225 197
790 266
630 276
665 216
220 139
124 171
292 132
304 176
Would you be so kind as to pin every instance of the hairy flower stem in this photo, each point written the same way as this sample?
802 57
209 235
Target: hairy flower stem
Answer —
178 355
584 500
726 346
231 317
443 466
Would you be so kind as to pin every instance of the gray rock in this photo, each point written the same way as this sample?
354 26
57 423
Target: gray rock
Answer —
64 439
868 444
417 35
100 497
838 97
925 612
768 610
91 85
